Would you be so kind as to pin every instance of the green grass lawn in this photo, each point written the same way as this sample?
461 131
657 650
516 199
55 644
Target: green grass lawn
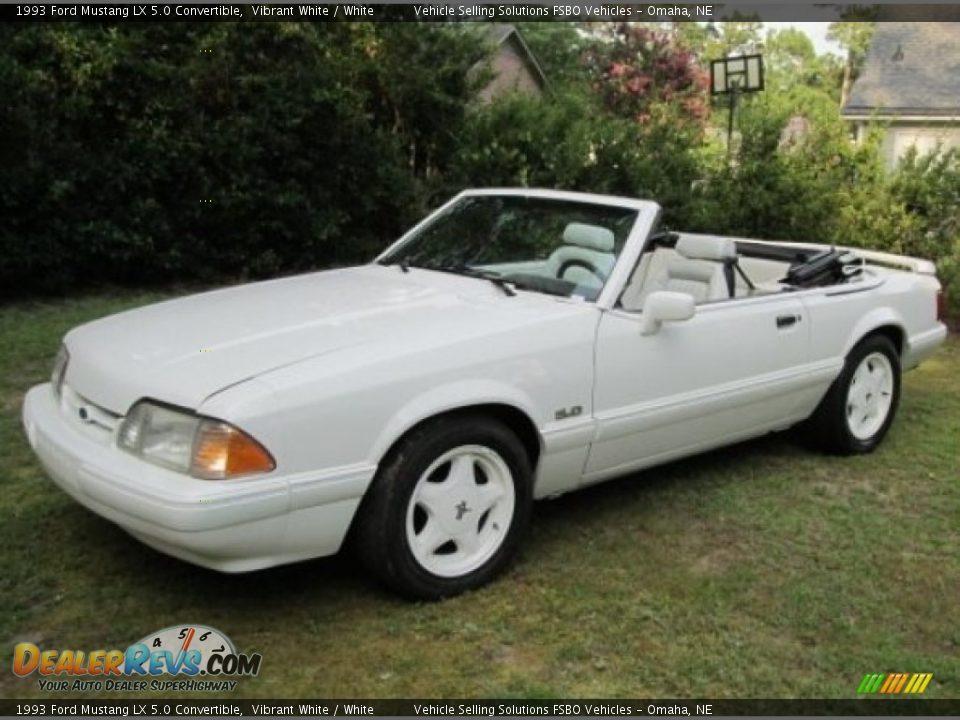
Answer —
762 570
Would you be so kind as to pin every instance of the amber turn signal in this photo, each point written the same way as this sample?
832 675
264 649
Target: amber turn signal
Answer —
222 451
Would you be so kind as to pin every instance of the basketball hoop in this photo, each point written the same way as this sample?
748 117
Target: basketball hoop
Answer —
741 74
733 76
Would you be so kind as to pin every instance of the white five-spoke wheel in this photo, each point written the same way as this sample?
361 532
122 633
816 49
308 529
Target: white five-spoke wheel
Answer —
857 411
448 507
870 395
460 510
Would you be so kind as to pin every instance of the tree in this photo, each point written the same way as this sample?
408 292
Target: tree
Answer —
788 51
643 71
419 83
854 37
740 36
565 141
790 59
193 151
559 47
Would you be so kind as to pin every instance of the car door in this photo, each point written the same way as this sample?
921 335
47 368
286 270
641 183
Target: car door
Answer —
737 368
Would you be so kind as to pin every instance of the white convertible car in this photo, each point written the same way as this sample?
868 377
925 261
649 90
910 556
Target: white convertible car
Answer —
516 344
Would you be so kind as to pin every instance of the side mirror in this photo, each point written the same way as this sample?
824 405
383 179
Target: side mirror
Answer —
665 306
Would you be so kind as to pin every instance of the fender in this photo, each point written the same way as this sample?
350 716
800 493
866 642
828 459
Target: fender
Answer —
452 396
876 318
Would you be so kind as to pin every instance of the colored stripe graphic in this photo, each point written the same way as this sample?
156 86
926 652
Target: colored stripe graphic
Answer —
870 683
894 683
903 679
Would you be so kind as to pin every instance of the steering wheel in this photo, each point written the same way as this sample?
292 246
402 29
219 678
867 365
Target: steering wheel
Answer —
579 262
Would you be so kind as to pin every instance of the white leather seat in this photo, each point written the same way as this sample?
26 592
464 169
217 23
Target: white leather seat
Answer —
585 246
697 269
702 279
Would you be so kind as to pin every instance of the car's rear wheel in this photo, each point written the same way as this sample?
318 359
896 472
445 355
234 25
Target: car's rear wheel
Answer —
860 406
447 509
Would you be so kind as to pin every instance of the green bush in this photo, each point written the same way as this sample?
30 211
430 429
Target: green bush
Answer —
928 186
821 187
197 152
777 187
566 142
194 152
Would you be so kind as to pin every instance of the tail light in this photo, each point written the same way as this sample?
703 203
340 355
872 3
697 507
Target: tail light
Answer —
941 305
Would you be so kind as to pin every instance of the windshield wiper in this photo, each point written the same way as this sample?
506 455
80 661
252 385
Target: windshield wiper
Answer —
402 264
526 285
493 277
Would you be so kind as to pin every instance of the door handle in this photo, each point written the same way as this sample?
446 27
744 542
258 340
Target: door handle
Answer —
785 321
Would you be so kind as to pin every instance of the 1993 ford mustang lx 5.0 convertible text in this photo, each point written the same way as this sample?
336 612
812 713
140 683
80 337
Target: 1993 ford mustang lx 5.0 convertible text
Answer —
516 344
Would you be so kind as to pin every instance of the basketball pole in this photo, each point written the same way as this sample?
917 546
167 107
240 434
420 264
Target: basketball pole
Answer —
733 110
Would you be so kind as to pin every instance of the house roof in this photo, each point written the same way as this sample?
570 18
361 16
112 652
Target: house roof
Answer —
910 69
501 33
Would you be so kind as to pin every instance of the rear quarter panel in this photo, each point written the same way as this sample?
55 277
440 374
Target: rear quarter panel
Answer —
840 316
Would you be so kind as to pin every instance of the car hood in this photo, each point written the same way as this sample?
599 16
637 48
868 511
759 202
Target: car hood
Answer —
185 350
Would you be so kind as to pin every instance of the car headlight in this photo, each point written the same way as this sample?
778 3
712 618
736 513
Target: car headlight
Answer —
202 447
59 371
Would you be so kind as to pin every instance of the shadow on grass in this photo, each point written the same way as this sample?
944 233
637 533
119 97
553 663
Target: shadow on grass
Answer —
638 487
333 579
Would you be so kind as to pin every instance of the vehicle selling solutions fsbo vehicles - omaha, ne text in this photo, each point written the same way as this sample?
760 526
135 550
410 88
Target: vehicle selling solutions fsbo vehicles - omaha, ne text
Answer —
516 344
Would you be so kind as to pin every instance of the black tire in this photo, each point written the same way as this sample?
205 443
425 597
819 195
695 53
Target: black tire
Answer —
830 426
380 535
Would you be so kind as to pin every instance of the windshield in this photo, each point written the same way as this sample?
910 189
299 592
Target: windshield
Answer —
550 246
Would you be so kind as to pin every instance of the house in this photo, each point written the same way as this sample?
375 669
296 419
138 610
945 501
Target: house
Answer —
513 65
910 81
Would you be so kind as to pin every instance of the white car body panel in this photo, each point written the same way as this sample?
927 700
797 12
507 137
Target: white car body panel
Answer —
696 383
329 370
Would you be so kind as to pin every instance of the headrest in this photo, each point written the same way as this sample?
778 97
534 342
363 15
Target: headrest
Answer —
593 237
706 247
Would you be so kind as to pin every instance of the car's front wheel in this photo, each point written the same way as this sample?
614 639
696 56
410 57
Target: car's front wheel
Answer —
447 509
860 406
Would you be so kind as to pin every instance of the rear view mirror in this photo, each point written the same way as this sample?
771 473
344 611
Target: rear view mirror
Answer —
665 306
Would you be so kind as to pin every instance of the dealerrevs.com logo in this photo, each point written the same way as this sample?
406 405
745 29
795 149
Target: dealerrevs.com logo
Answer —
179 650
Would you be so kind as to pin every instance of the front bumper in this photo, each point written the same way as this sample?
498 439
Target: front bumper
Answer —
227 525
